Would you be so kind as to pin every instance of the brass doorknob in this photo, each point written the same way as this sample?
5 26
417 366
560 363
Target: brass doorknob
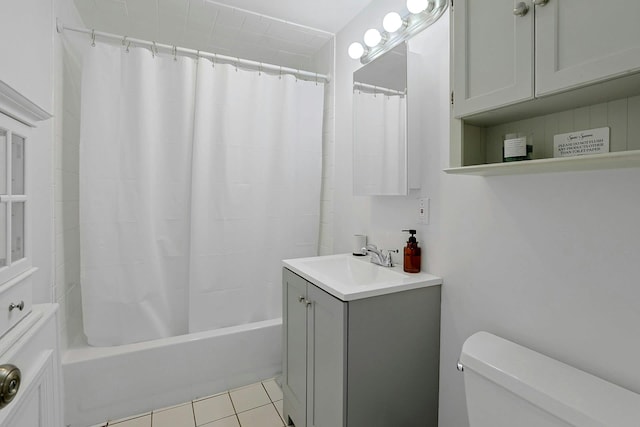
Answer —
10 377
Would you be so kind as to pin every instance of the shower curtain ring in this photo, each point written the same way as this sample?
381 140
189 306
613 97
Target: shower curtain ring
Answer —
154 49
93 38
175 53
237 62
124 41
128 45
280 77
260 70
316 79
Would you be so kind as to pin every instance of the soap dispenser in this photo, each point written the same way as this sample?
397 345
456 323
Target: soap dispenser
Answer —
412 254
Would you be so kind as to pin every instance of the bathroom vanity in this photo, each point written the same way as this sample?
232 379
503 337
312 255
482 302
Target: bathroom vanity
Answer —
361 344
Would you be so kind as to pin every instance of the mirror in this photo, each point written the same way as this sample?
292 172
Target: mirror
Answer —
380 150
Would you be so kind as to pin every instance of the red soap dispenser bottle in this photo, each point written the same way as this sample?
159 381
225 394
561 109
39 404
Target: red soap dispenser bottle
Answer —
412 254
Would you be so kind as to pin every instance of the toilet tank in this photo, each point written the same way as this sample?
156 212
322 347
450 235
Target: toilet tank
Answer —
507 385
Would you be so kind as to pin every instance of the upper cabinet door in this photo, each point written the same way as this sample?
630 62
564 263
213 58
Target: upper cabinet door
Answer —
579 42
492 55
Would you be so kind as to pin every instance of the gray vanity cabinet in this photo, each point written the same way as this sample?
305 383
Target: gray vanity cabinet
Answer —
370 362
315 335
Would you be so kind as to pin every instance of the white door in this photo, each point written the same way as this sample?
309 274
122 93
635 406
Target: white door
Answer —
492 54
579 42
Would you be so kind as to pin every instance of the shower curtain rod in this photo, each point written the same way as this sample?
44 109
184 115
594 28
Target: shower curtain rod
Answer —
255 65
377 89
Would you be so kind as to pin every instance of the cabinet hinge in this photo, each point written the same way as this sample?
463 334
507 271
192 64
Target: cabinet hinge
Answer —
451 97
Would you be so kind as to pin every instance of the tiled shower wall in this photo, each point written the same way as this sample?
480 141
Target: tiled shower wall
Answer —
67 230
324 63
66 180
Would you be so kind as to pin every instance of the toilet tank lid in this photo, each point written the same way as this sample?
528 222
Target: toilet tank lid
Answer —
579 398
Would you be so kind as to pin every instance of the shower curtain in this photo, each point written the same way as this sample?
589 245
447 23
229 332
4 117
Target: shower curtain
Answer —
379 143
195 181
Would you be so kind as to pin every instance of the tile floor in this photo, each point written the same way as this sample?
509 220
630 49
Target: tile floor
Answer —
255 405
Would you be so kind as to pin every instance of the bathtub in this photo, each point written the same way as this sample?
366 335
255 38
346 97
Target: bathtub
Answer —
106 383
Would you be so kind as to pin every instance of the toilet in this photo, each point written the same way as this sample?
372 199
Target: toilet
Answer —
507 385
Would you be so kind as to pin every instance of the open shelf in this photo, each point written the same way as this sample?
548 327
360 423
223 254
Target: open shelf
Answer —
623 159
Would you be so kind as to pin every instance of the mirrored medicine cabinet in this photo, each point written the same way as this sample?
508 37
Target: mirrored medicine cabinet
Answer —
385 127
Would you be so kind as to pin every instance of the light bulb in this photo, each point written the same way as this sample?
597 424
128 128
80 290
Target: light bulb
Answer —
392 22
417 6
356 50
372 37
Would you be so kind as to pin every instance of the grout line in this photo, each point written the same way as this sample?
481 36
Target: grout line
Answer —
279 416
232 404
266 391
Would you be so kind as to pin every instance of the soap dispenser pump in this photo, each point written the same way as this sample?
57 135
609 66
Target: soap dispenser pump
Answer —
412 254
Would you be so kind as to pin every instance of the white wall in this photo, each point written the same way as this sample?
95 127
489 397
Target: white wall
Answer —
549 261
26 65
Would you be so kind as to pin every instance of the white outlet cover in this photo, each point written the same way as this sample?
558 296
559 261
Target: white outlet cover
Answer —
423 210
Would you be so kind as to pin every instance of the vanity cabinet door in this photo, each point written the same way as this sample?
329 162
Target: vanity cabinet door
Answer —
492 55
294 369
579 42
327 359
314 354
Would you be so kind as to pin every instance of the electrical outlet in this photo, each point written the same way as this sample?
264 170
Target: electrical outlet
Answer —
423 210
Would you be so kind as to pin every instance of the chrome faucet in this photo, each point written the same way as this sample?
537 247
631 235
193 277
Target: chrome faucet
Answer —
380 256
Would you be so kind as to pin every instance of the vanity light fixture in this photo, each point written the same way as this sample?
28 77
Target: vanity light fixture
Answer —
392 22
372 37
417 6
398 29
356 50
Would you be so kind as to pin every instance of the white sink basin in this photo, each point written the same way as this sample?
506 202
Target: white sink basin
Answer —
352 271
348 277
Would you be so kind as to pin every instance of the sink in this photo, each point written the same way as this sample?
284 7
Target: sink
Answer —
349 278
353 271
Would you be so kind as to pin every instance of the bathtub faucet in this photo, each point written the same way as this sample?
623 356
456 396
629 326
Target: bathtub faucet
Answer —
380 256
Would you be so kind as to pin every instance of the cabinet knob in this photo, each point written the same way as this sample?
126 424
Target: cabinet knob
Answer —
540 2
10 377
301 298
308 303
521 9
19 306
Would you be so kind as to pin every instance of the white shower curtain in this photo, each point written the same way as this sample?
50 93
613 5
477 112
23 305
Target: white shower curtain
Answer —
191 192
256 190
380 143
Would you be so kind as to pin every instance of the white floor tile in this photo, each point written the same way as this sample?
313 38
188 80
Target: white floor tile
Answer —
273 390
212 409
264 416
225 422
249 397
112 422
278 405
179 416
143 421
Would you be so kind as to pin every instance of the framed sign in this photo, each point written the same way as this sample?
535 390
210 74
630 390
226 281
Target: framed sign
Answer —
581 143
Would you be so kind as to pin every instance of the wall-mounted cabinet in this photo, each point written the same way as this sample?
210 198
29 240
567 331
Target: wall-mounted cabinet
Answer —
543 67
507 52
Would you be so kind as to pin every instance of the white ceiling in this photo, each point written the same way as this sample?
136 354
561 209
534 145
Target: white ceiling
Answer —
282 32
326 15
